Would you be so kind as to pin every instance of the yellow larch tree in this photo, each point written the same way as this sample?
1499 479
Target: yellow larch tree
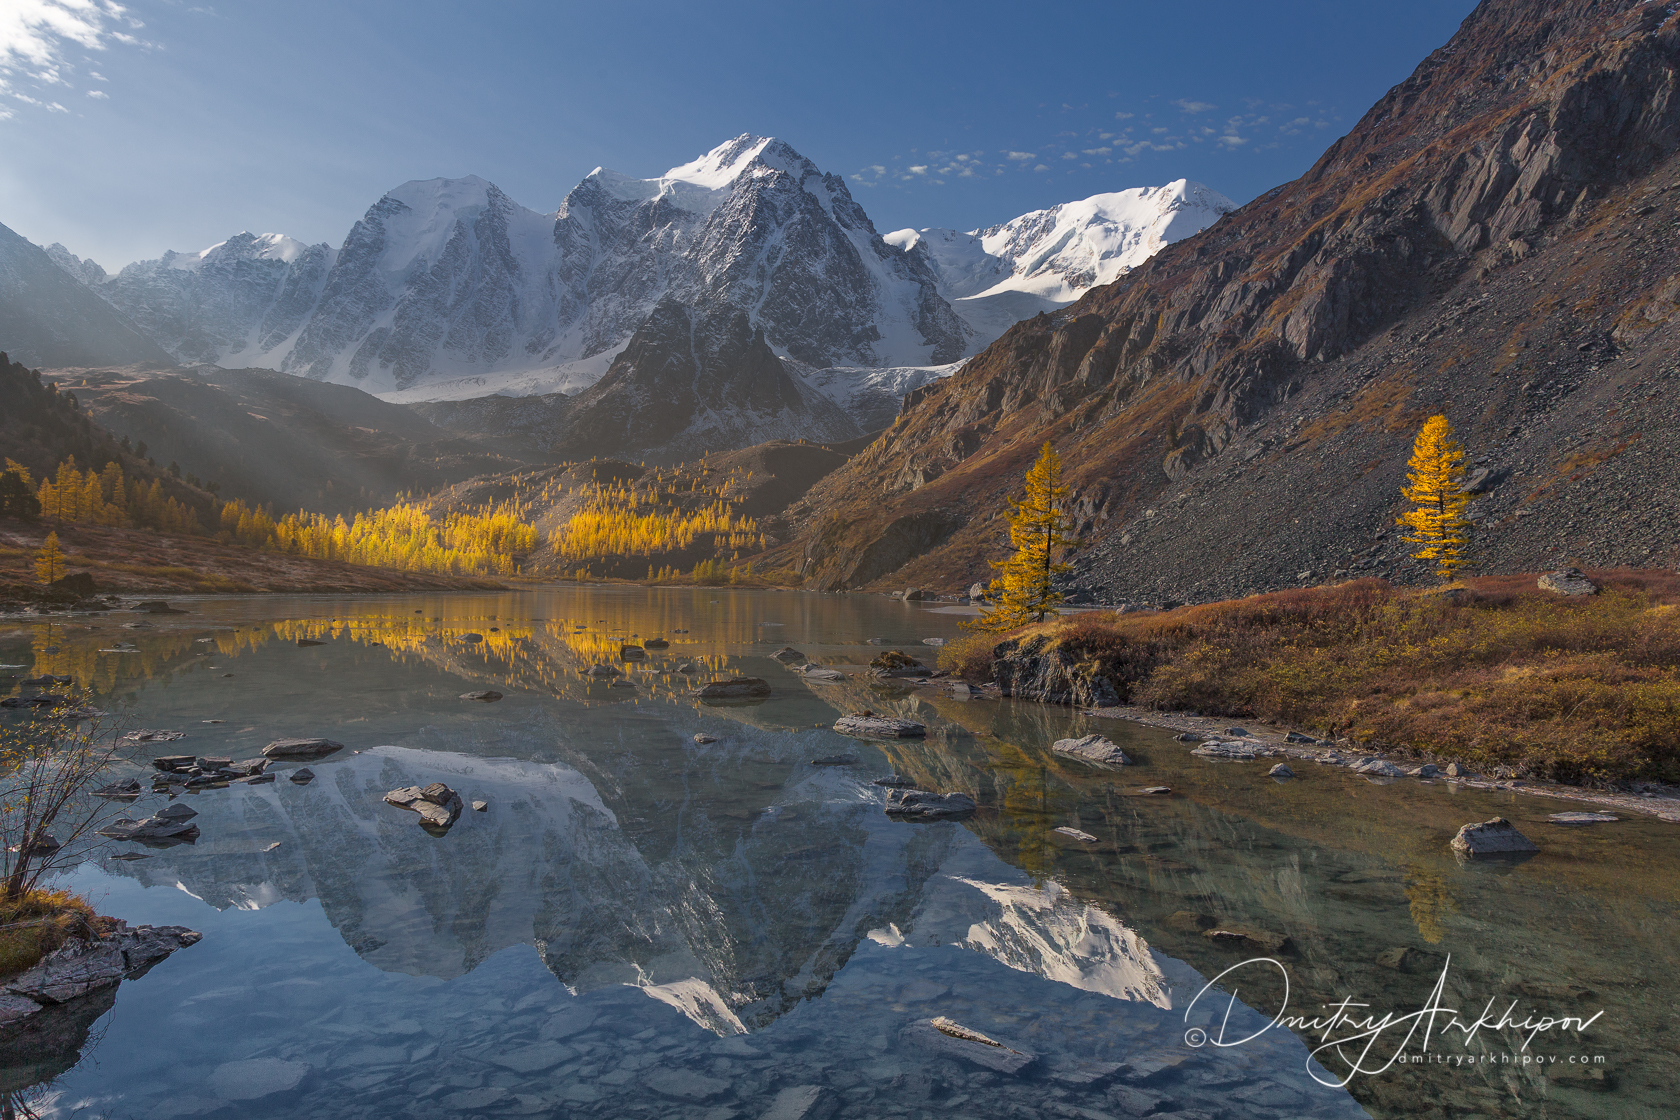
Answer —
1040 531
1435 486
49 562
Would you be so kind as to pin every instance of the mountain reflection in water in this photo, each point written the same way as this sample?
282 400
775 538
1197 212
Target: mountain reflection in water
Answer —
771 925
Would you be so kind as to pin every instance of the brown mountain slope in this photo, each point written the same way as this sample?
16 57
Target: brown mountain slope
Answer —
1494 239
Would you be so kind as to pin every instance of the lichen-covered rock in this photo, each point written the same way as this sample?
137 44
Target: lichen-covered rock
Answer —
1488 838
1092 748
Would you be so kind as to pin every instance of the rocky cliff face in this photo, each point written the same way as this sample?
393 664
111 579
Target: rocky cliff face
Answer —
1493 240
250 294
691 381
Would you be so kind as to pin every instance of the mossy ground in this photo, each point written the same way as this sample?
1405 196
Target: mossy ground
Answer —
38 923
1490 672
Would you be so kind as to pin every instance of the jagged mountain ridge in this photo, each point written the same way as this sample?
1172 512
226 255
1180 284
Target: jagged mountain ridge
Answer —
49 318
1481 244
447 289
248 295
1046 259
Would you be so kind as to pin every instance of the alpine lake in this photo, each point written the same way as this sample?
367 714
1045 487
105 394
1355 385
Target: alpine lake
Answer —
642 925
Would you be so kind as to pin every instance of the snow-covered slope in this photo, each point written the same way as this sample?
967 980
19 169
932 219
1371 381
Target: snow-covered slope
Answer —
1049 258
232 304
447 289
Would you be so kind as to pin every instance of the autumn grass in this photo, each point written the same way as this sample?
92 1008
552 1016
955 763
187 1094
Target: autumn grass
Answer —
38 923
1495 673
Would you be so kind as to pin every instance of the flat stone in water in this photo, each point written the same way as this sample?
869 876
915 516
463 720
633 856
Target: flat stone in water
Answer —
737 688
301 748
256 1078
1582 818
836 760
1075 834
1092 748
919 804
948 1039
489 696
879 727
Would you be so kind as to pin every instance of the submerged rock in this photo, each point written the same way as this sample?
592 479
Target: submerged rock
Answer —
737 688
789 656
656 643
1582 818
301 748
703 738
894 781
152 828
1240 752
921 805
1495 837
603 671
818 673
303 775
488 696
1075 834
836 760
1092 748
256 1078
948 1039
871 726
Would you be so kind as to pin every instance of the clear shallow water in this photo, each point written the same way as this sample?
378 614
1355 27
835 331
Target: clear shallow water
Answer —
643 926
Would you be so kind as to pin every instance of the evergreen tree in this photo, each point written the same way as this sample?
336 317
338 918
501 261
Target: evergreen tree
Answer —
1039 529
49 562
16 497
1436 487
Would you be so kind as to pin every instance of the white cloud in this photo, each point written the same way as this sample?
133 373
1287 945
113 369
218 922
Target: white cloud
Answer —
1096 151
1194 106
1042 167
1018 155
1124 116
1069 155
1233 141
918 169
36 36
99 95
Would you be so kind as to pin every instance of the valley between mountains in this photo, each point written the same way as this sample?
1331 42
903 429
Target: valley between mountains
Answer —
1234 389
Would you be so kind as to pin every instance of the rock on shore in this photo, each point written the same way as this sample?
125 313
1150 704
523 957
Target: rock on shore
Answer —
83 966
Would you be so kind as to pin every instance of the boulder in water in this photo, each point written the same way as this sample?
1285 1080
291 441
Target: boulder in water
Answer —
1092 748
1492 838
919 804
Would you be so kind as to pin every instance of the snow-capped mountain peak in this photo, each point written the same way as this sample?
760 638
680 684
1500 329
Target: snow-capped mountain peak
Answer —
1060 253
243 245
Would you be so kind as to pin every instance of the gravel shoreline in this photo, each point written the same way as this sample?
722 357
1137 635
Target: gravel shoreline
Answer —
1665 805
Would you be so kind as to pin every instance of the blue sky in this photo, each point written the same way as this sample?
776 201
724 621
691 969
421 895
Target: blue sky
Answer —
171 125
